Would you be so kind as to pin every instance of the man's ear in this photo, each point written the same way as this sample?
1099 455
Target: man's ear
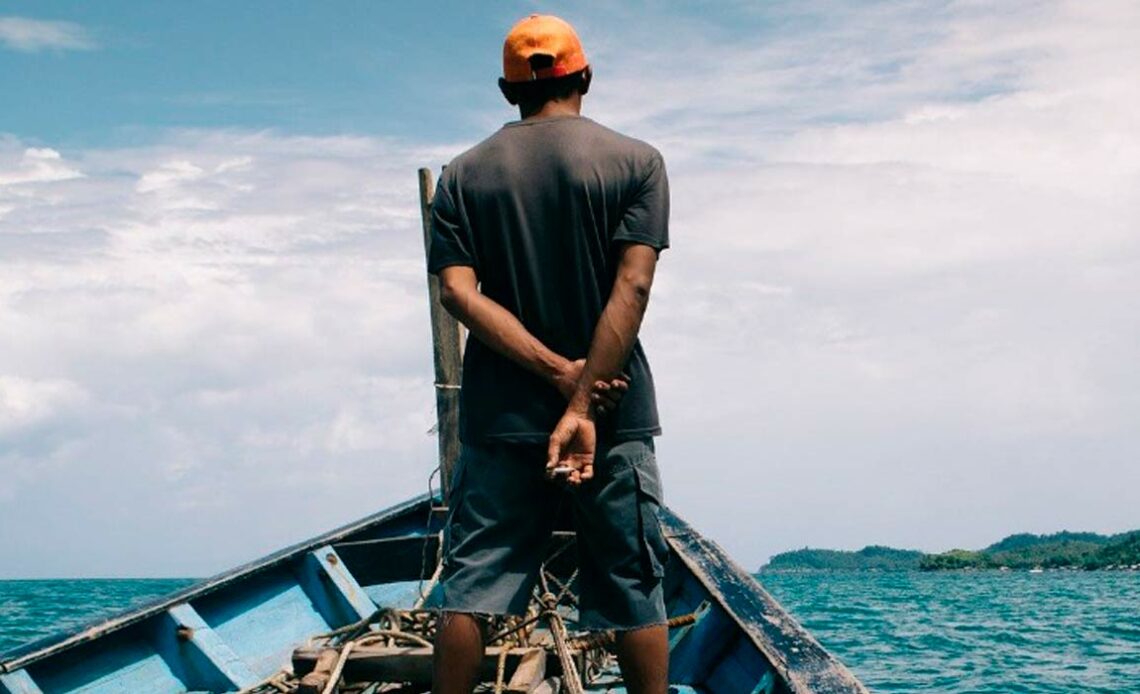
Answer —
587 77
508 92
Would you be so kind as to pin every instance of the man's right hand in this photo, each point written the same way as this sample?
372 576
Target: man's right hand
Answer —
572 447
604 396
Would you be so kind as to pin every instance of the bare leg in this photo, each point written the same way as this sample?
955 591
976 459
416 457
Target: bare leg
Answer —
643 655
458 654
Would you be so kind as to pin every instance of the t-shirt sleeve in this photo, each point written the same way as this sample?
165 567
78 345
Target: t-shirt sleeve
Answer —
451 242
646 220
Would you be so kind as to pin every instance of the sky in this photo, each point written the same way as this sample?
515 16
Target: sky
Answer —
902 304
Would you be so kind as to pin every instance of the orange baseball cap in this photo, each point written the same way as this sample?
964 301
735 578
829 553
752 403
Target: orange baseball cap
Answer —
545 35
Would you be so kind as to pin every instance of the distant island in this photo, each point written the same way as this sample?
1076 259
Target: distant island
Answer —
1025 551
874 558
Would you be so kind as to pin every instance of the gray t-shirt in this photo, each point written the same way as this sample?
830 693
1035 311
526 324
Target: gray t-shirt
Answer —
537 209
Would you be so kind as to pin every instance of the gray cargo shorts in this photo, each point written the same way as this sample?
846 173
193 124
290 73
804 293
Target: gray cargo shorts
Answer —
501 516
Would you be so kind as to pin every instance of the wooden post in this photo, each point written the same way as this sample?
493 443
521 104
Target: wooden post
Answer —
447 343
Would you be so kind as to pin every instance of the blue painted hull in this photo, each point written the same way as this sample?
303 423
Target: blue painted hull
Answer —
235 630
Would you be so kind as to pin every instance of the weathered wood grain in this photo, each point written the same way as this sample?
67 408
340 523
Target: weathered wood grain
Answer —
801 661
447 342
530 672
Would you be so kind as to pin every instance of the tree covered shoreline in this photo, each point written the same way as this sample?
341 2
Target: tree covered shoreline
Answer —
1023 551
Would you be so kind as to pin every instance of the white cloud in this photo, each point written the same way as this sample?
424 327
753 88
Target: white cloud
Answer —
168 175
34 165
25 403
31 35
244 316
948 199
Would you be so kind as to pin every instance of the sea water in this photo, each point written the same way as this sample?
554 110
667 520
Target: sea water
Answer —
982 631
31 610
899 632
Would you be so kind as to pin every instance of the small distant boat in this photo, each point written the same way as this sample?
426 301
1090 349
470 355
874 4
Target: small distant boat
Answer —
352 611
1037 570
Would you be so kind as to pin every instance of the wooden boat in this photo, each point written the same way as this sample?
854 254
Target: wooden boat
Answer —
350 611
239 629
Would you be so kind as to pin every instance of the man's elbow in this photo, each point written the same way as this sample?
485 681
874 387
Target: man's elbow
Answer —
449 298
451 293
638 284
636 270
455 287
641 290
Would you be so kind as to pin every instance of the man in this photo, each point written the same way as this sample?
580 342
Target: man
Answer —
545 237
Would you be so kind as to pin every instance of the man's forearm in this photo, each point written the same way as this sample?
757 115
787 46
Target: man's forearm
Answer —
500 330
616 331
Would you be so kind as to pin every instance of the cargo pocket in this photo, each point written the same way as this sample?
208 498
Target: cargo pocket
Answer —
654 547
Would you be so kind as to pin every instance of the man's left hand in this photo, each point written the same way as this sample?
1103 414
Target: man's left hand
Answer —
604 395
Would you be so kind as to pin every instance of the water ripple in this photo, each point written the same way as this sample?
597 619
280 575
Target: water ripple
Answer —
979 632
31 610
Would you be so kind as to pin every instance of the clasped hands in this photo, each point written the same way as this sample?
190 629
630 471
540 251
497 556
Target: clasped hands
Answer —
570 454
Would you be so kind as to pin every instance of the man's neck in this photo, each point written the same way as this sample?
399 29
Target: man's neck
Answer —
553 108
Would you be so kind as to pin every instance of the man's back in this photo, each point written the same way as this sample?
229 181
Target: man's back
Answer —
537 209
545 240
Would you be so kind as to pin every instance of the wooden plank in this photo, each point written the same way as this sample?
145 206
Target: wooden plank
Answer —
28 654
549 686
389 560
447 343
18 682
376 663
265 618
209 658
803 664
333 589
318 678
529 674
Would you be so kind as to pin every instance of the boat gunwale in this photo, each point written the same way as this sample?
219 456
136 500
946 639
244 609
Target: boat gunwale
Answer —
806 668
30 653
